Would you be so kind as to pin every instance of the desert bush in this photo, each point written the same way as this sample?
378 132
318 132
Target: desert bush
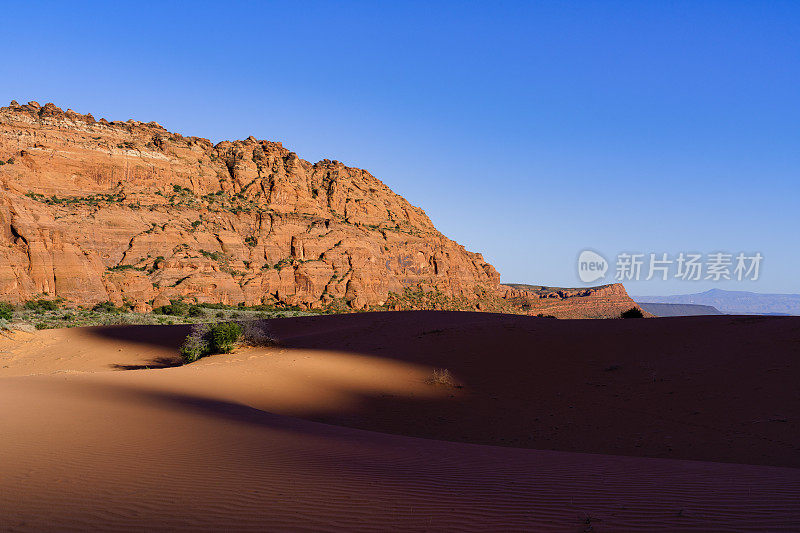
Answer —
633 312
119 268
196 311
256 333
175 308
40 306
196 344
214 256
210 339
105 307
223 337
6 311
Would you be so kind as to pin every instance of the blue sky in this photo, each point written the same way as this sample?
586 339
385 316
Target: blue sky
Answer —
527 131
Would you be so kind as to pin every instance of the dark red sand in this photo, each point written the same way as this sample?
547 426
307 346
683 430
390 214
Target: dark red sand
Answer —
721 389
658 409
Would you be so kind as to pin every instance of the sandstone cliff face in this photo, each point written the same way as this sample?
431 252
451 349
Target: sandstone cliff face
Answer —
126 211
93 210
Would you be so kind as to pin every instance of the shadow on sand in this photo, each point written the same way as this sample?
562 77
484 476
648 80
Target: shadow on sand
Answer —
682 388
158 362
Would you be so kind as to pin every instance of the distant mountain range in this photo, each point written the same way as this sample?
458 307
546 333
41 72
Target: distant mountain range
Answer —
733 302
662 309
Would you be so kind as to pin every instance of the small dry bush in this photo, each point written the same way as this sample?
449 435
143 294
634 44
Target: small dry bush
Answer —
256 333
442 376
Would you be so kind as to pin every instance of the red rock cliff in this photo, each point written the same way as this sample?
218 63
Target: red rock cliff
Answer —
95 210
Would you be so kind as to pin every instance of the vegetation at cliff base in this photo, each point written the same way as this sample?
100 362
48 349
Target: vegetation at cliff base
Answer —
51 314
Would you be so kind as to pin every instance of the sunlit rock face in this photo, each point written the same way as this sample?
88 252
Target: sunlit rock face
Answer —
127 211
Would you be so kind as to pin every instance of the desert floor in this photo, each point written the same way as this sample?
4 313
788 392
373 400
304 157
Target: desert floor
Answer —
678 424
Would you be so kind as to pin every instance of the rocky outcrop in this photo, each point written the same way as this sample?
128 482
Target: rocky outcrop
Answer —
96 210
605 301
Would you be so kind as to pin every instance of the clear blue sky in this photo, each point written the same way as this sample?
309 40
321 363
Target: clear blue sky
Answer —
527 131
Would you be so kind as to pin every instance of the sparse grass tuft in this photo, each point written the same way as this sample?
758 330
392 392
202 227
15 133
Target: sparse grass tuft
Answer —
442 376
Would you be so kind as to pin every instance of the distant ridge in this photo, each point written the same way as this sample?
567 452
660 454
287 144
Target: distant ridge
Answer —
733 302
660 309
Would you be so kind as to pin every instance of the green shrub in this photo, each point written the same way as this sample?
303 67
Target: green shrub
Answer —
40 306
175 308
105 307
196 311
214 256
209 339
6 311
633 312
224 337
118 268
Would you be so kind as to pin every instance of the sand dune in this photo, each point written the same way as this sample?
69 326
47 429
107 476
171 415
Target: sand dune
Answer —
582 410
